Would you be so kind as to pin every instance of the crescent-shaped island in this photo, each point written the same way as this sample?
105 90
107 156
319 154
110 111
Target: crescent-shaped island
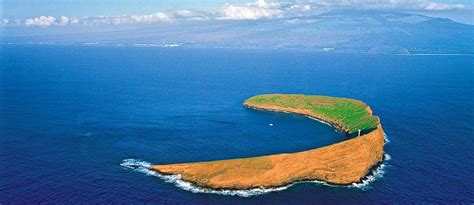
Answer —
342 163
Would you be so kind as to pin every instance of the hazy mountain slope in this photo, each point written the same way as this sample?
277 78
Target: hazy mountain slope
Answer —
380 32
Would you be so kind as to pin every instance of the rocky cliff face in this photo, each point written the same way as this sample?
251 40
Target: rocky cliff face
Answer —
341 163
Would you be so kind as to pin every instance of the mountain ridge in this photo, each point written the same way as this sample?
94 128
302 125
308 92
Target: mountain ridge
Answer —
343 31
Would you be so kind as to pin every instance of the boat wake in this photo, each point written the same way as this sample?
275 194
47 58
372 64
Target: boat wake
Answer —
144 167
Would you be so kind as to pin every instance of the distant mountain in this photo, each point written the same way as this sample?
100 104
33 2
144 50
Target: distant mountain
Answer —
346 31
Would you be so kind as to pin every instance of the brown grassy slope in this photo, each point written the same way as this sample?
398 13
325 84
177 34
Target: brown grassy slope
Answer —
341 163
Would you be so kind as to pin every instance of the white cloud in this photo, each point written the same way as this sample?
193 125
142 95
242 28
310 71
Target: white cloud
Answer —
152 18
190 15
74 20
165 16
64 21
5 22
118 20
257 10
432 6
43 21
303 7
168 16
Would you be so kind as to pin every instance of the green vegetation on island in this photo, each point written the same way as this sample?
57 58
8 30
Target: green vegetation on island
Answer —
351 115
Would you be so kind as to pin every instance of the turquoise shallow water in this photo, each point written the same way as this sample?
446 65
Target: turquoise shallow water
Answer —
77 122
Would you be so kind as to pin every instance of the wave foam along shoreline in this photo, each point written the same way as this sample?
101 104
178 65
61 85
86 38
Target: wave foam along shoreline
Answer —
144 167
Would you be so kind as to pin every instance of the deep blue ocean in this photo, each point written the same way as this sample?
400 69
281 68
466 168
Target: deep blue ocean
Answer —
77 122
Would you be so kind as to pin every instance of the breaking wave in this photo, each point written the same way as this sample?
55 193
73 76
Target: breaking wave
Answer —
144 167
376 173
385 137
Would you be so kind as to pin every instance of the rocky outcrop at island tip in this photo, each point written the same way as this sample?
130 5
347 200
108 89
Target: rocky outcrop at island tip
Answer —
341 163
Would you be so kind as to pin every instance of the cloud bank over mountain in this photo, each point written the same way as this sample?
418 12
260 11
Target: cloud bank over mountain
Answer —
336 31
260 9
385 26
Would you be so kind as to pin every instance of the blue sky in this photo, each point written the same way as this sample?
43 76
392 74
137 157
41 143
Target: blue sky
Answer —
33 8
64 12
